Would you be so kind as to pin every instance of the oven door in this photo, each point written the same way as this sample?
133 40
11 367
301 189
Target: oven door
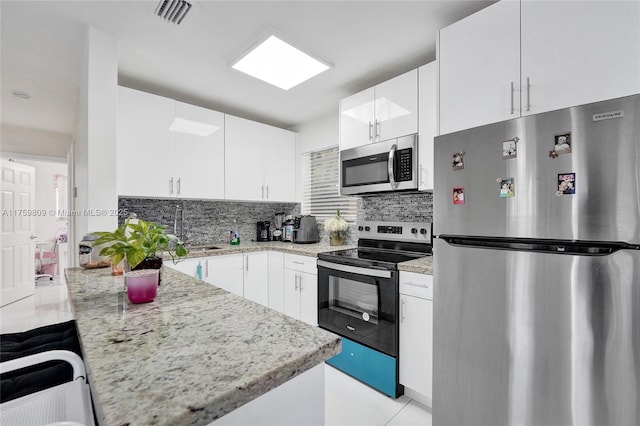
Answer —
383 166
359 304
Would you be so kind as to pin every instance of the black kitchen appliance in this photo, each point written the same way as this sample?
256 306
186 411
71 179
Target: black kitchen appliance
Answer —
263 232
358 298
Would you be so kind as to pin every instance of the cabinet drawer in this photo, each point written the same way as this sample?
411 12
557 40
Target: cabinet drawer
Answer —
372 367
300 263
418 285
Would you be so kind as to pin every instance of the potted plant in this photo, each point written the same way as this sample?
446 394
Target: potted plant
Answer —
141 244
337 228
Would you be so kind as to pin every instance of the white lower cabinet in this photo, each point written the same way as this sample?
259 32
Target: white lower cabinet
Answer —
226 272
416 335
301 288
276 280
256 276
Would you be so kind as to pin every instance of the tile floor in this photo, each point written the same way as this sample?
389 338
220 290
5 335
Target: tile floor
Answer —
348 402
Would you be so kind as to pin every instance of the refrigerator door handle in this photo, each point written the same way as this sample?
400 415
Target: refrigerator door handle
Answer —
390 163
570 247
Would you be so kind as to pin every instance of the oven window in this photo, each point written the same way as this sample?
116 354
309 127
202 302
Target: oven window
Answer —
365 171
354 298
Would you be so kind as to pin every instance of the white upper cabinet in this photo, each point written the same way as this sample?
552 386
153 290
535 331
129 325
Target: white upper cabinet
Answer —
143 139
155 161
557 54
386 111
427 123
199 159
479 76
259 161
575 53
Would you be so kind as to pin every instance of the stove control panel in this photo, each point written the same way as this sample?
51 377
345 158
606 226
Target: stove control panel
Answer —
396 231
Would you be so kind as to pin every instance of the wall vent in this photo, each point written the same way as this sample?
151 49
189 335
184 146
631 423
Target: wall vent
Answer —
173 10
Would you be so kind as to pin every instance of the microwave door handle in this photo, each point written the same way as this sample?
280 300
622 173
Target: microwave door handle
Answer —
392 154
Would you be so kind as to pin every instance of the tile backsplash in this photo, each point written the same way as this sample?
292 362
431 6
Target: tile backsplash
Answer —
396 206
207 221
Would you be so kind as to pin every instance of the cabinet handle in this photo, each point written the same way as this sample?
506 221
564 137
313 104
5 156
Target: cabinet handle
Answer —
246 263
297 263
171 186
179 185
377 129
296 282
267 192
300 285
402 308
512 93
206 268
263 192
528 94
421 175
370 131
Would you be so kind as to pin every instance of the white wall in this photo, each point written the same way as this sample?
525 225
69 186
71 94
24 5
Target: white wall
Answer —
34 142
313 136
95 139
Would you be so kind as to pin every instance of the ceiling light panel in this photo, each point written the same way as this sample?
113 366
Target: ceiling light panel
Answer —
280 64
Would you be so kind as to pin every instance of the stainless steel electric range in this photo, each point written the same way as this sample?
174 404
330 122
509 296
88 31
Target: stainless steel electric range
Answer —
358 298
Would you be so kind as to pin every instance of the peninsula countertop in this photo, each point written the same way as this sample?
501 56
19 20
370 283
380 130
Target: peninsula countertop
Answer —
191 356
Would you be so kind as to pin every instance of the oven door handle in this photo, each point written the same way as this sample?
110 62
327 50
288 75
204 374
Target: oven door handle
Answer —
390 166
355 269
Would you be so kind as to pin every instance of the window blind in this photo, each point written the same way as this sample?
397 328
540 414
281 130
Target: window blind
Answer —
320 195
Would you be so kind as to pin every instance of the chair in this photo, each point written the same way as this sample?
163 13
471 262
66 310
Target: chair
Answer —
46 262
68 403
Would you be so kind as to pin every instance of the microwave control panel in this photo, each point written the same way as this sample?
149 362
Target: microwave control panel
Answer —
404 168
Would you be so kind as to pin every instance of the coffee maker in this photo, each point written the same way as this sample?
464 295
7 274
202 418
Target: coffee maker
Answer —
263 233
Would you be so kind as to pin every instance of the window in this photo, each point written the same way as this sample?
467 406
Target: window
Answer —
320 195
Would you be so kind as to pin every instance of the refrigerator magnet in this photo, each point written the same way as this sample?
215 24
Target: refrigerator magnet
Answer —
562 143
510 148
507 187
566 184
457 160
458 195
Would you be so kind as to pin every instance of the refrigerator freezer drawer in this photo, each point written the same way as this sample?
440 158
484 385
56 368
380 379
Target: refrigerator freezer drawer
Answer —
526 338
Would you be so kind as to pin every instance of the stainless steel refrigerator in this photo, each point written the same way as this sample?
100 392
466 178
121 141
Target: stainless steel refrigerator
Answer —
537 270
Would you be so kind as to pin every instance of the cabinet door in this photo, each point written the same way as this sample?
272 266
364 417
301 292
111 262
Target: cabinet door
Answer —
292 293
357 119
416 344
308 284
226 272
199 159
479 59
568 62
256 275
280 164
396 107
143 135
427 106
186 266
243 159
276 280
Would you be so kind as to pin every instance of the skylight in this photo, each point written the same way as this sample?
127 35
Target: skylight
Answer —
279 63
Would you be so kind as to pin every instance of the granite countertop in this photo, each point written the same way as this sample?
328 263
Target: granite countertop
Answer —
250 246
192 355
423 265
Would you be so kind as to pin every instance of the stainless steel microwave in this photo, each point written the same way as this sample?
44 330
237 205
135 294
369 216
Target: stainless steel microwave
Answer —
378 167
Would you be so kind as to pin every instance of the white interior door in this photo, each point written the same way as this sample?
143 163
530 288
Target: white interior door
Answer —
18 248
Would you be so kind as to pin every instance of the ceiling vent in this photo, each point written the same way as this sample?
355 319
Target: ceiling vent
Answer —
173 10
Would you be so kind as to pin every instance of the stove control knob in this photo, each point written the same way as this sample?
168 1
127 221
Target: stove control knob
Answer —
366 228
360 228
414 231
423 231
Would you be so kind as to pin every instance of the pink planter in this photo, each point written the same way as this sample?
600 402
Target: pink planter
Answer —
142 285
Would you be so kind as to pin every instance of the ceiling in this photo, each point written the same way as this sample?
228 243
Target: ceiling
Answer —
367 42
